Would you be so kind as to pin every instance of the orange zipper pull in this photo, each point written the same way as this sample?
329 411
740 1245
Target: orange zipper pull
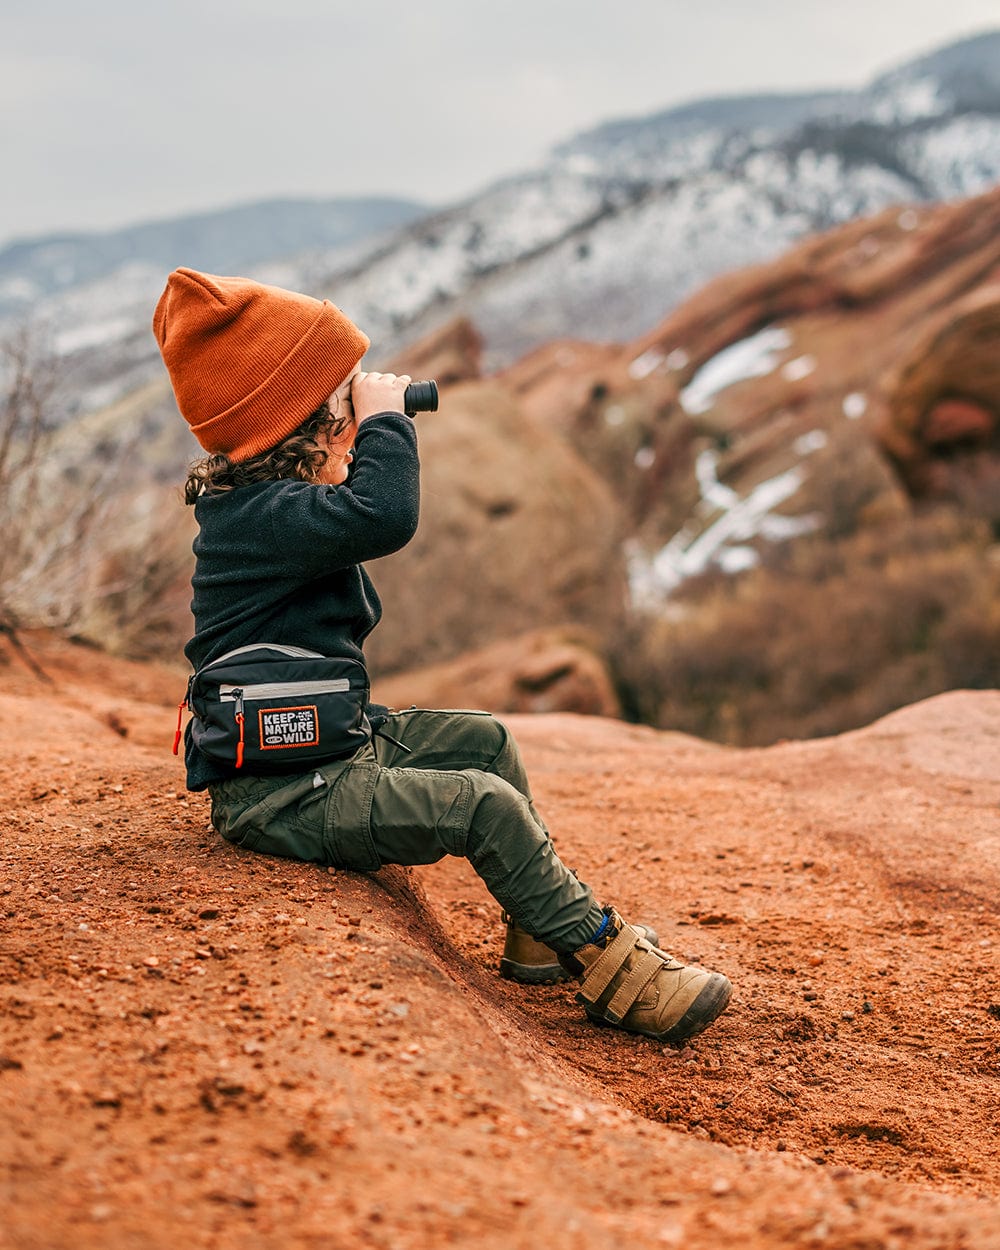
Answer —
238 696
180 714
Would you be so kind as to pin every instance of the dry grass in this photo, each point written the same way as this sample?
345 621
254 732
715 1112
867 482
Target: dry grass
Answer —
842 634
90 547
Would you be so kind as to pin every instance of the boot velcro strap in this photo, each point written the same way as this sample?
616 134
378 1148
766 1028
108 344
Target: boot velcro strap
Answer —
640 976
604 971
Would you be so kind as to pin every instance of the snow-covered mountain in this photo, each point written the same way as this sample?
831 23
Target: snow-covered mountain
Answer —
90 296
231 239
626 220
618 225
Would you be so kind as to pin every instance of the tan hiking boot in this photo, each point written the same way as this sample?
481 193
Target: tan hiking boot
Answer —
527 960
531 962
634 985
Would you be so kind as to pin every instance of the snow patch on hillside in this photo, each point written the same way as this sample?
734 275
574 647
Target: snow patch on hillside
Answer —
724 542
753 357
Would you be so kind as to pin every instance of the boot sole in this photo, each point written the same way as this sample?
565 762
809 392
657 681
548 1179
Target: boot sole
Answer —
533 974
706 1008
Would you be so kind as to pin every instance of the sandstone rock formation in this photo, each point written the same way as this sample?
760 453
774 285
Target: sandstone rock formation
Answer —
449 355
942 427
548 670
200 1046
848 345
516 532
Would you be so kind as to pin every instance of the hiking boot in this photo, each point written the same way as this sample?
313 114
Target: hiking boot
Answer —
632 984
527 960
531 962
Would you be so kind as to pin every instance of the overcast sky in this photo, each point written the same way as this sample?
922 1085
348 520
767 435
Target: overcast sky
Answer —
117 111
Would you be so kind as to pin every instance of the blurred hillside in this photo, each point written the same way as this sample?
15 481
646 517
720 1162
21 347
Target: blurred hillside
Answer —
808 453
775 514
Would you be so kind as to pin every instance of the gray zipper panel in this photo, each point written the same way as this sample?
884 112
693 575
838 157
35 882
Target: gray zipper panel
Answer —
285 689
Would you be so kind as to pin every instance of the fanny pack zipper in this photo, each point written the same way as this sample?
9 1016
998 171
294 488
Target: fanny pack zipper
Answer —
283 689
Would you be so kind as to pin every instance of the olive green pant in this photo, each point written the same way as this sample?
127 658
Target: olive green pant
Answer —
460 789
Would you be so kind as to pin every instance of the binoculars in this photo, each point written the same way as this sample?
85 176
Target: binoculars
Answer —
420 397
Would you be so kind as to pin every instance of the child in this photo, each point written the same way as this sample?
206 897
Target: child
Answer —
312 470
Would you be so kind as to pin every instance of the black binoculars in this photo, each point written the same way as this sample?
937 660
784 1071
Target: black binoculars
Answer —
420 397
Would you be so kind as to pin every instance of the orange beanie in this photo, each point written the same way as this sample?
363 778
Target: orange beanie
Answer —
248 362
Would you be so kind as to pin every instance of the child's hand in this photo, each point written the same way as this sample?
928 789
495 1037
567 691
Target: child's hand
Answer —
372 393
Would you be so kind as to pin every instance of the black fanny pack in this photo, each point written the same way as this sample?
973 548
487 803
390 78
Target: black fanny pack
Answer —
271 708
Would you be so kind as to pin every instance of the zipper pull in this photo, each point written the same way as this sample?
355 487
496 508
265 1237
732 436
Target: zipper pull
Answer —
180 714
238 696
395 741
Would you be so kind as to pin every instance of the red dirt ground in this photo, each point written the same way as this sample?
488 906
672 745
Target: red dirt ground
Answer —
200 1047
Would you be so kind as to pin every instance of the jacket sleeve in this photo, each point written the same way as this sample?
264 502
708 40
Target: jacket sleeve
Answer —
318 529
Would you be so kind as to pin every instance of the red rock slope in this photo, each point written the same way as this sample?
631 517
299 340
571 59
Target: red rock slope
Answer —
202 1048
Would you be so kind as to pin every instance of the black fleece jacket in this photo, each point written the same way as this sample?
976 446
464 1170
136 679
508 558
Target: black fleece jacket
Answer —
281 561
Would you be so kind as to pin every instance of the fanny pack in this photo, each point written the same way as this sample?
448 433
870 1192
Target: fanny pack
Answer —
272 708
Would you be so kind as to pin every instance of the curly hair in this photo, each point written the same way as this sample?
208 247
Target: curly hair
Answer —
298 456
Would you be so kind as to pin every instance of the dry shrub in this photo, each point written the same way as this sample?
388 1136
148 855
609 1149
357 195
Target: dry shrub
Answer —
88 547
29 385
842 634
105 564
134 596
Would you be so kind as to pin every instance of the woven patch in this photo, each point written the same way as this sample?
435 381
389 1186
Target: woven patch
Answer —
282 727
